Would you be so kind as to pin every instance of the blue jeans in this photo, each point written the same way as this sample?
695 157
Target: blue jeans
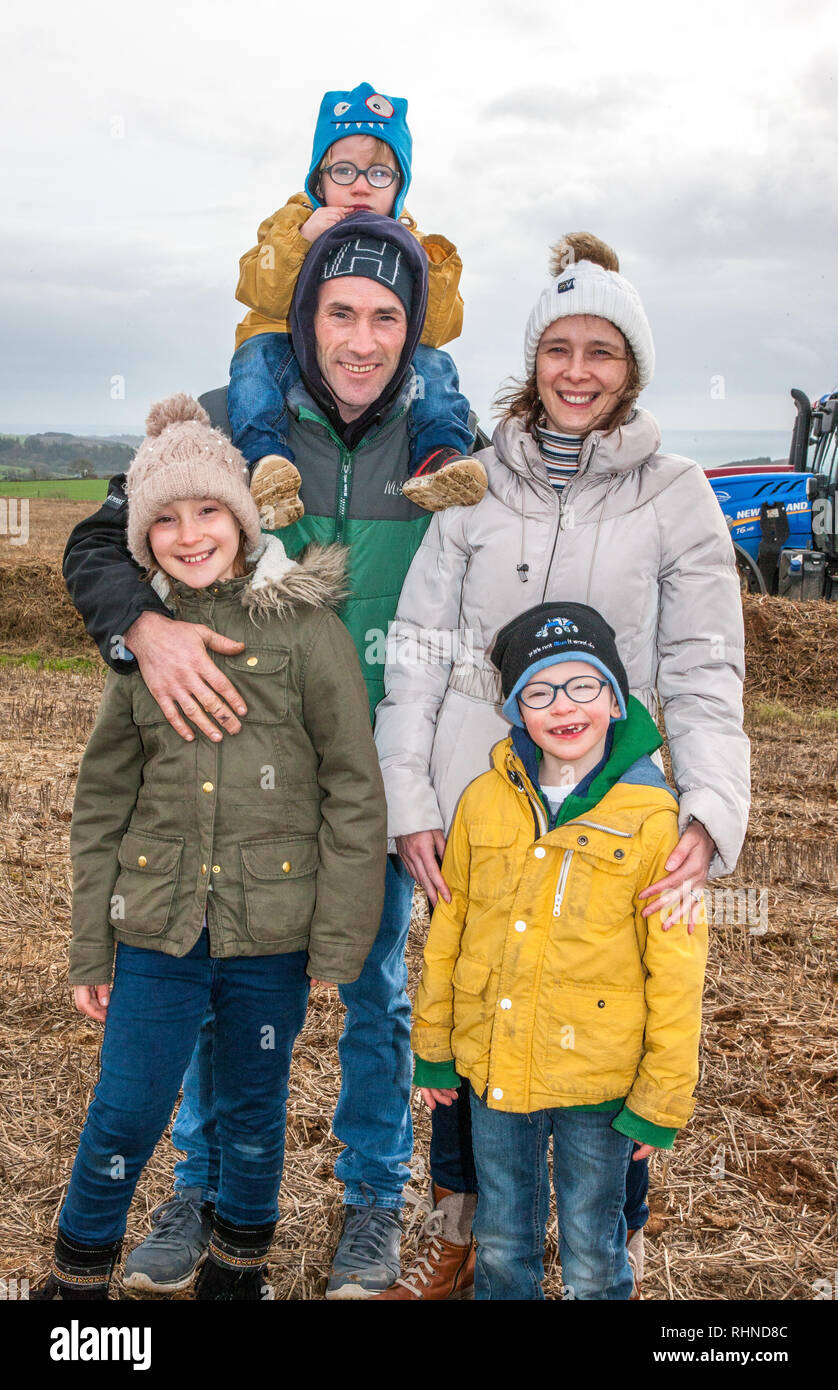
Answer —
452 1159
157 1004
264 369
373 1115
589 1177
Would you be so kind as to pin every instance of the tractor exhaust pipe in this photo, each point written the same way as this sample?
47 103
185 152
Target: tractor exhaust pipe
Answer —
799 450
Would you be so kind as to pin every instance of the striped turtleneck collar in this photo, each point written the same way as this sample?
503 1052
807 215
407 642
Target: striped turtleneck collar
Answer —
560 454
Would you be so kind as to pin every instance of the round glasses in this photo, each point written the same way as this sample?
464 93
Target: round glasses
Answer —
581 690
377 175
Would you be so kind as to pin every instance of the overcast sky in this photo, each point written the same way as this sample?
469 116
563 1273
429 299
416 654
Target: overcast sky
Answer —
144 143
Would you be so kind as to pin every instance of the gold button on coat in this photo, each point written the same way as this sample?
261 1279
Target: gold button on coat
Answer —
203 868
142 861
207 787
286 868
253 661
216 868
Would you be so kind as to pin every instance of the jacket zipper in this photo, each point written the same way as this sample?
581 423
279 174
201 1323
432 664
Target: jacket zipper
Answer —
344 483
595 825
536 808
562 883
561 500
344 493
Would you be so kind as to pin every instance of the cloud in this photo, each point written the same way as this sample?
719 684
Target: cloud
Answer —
711 176
569 105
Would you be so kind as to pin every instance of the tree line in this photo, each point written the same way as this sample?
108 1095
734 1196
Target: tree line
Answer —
48 455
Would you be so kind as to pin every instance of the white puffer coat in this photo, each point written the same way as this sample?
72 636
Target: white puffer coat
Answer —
637 534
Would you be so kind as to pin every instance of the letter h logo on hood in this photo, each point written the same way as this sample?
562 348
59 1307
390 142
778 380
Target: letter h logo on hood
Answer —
377 260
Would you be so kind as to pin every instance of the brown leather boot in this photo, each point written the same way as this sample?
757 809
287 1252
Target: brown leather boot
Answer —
636 1259
446 479
274 487
444 1264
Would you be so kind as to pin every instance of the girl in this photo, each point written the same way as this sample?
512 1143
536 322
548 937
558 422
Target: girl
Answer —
225 872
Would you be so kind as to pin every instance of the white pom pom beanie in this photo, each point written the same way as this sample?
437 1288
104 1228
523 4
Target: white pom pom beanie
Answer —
586 288
182 457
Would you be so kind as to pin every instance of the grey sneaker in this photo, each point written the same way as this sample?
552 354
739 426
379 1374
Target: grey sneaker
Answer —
168 1259
367 1259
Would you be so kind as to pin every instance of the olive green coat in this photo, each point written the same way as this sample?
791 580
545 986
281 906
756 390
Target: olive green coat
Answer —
278 832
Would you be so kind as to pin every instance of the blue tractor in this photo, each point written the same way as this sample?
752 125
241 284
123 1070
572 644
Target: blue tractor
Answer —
783 518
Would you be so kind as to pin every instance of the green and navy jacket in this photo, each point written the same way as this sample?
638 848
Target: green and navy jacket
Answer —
354 495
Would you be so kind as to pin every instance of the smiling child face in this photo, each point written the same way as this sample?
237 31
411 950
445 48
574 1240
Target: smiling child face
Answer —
570 734
196 540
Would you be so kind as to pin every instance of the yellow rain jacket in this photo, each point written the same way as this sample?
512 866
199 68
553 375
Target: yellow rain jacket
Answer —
542 979
268 274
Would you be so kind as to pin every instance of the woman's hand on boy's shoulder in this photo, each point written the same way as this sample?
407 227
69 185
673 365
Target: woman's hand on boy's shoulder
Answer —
681 891
92 1000
321 220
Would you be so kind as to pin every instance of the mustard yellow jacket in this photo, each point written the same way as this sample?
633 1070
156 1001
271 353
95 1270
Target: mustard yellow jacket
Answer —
542 980
268 274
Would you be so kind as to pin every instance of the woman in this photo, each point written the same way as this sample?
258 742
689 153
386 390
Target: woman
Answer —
581 506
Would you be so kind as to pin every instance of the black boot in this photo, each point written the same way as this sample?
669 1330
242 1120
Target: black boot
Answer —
78 1271
234 1269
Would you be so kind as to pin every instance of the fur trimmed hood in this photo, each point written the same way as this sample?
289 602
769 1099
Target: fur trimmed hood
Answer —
276 585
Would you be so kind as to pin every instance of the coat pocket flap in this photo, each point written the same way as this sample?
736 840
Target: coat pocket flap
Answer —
470 975
491 833
259 661
617 853
153 854
280 858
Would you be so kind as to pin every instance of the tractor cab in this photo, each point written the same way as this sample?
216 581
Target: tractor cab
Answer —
814 451
783 519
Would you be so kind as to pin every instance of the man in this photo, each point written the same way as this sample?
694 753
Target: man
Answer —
356 319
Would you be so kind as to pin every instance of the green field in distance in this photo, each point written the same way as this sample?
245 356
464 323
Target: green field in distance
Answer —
76 489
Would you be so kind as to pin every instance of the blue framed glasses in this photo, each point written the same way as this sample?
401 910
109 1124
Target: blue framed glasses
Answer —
581 690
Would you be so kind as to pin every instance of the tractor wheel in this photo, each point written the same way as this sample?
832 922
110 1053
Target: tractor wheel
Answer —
750 577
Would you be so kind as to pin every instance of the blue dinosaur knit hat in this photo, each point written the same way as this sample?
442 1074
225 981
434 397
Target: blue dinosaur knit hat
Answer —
363 111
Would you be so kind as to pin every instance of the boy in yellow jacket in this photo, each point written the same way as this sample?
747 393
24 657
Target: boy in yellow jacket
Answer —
361 160
544 988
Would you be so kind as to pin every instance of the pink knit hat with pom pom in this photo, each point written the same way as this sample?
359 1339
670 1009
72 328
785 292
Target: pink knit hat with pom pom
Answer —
181 457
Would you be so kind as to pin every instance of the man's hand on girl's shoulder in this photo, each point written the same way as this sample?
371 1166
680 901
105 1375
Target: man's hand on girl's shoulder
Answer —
173 661
92 1000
